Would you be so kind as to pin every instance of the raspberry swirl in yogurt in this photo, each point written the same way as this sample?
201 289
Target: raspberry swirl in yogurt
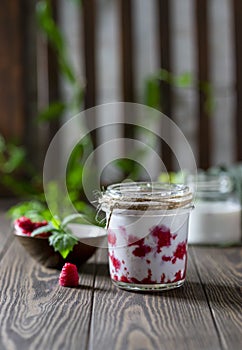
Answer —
147 227
160 257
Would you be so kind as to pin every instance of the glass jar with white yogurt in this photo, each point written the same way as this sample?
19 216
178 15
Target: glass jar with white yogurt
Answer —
216 218
147 225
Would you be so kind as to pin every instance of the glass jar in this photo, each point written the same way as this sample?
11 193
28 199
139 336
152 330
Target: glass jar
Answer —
217 215
147 227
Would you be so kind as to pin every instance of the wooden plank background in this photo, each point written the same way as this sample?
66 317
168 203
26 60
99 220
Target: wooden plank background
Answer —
18 72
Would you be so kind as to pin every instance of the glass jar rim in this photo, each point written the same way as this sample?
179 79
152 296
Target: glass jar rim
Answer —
145 196
211 183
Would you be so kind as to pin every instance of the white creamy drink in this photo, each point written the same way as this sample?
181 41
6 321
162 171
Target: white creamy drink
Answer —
148 250
215 222
147 227
216 218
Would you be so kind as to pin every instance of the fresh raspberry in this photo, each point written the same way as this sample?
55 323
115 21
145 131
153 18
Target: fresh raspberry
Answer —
25 225
69 276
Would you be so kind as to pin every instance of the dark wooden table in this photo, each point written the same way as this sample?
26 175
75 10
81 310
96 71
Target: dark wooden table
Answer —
36 313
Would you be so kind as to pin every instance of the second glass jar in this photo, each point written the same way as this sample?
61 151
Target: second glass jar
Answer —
217 215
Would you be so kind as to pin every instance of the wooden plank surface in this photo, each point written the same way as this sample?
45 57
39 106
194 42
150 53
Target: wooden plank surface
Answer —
178 319
5 226
36 313
220 272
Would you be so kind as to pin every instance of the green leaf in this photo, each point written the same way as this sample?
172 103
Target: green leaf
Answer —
63 242
164 75
15 159
42 229
2 144
172 177
67 70
183 80
152 93
34 210
47 24
71 218
56 222
53 111
209 103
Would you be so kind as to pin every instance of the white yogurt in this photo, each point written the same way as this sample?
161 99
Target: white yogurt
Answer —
215 223
148 250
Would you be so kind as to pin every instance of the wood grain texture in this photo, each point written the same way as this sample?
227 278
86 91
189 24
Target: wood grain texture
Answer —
36 313
220 271
5 231
5 227
178 319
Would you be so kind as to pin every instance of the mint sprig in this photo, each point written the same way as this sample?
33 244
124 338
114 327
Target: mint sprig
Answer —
43 229
63 242
61 238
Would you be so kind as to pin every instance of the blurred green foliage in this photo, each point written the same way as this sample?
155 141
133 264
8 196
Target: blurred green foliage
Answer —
56 40
24 180
152 93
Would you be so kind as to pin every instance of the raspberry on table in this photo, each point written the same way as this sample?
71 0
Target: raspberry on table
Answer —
69 276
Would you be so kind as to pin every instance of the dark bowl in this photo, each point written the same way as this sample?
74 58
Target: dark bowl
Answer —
90 237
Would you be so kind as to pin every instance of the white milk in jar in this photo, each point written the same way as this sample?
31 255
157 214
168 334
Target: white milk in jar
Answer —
216 218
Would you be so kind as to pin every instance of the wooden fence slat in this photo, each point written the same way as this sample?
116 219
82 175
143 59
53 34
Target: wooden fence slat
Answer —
164 32
48 89
53 75
204 130
127 73
11 70
89 24
89 18
127 59
30 89
237 11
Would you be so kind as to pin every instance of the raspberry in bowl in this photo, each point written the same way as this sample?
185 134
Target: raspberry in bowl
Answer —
89 237
25 226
